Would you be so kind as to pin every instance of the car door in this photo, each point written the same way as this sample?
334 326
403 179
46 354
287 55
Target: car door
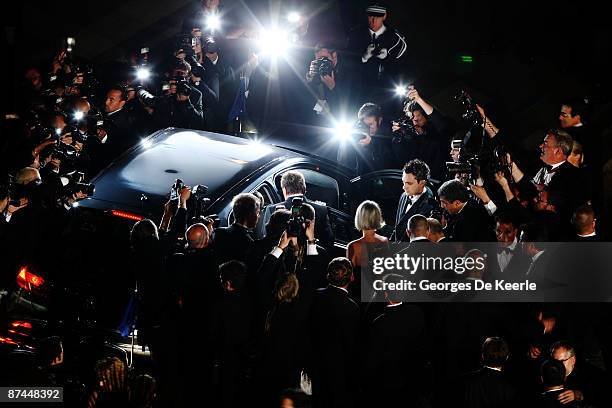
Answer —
385 188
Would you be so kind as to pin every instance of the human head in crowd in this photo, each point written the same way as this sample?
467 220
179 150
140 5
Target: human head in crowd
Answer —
197 236
340 272
556 147
564 352
287 288
377 14
415 177
322 50
34 78
477 272
573 113
277 223
233 276
532 236
506 229
552 373
246 209
368 216
371 115
210 6
418 227
576 157
584 220
453 196
293 398
116 97
26 176
418 117
436 231
143 232
495 352
293 183
393 297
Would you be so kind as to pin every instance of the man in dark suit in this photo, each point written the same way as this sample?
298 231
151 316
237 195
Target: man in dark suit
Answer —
557 176
234 242
468 222
510 262
553 379
335 323
396 358
436 231
584 222
293 185
417 198
488 387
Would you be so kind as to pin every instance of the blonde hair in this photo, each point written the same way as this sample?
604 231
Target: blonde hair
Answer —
368 216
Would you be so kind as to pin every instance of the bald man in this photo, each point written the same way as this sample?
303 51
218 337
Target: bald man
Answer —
197 236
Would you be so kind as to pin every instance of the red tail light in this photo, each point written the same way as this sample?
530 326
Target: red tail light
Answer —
26 279
25 325
126 215
6 340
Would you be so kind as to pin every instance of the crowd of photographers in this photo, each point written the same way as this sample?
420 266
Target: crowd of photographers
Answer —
278 316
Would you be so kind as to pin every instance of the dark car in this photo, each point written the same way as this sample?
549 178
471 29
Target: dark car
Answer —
138 183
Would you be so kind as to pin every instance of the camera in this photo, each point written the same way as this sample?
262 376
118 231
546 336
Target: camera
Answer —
210 45
295 224
185 44
406 130
324 66
76 183
470 112
482 165
198 202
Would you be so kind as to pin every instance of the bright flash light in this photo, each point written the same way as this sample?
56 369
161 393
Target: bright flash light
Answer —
343 131
78 115
274 42
213 22
294 17
142 74
58 131
146 143
401 90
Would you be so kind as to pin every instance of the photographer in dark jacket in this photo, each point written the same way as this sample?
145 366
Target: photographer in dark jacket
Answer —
373 149
233 242
426 138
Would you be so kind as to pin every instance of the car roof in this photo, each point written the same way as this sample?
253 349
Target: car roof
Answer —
197 157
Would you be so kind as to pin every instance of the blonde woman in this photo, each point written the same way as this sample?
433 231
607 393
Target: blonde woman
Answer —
368 219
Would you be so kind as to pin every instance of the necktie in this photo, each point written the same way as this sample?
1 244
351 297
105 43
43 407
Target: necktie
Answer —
373 37
409 203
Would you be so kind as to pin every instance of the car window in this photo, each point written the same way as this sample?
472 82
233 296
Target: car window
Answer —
385 190
320 187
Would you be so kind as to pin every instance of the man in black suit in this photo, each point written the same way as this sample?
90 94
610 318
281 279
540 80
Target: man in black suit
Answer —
543 263
417 198
436 231
583 382
488 387
553 381
510 262
293 185
418 229
234 242
468 222
557 176
396 358
335 323
584 222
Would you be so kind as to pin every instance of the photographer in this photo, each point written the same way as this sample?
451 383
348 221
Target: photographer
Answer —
175 109
372 151
325 83
424 137
233 242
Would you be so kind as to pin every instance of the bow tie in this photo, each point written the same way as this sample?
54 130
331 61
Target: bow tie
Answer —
505 250
549 168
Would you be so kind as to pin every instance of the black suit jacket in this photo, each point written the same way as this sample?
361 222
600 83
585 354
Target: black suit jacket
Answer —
568 181
323 229
423 206
488 388
516 267
232 242
335 324
471 224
